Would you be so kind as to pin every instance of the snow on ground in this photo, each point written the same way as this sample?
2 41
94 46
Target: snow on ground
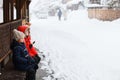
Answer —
78 48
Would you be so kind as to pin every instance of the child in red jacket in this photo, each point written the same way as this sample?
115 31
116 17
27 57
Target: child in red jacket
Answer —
32 51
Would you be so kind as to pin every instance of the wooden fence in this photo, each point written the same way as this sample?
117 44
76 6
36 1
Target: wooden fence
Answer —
104 14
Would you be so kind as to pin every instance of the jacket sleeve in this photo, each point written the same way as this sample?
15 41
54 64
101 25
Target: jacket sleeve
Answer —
17 55
31 60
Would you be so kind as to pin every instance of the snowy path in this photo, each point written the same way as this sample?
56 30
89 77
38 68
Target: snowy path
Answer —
80 49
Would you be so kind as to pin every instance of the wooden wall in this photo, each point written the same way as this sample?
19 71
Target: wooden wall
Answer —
104 14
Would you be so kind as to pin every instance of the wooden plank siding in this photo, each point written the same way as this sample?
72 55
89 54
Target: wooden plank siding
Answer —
6 37
104 14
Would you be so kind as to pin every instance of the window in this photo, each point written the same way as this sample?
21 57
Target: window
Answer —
15 13
1 11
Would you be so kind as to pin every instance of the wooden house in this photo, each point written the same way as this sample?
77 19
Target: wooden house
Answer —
107 11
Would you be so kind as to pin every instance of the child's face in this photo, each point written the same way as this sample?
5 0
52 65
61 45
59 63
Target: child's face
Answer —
21 40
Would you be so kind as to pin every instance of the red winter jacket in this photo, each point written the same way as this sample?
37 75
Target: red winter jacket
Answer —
32 51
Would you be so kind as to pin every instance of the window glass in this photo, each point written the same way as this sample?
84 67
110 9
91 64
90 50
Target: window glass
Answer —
15 13
1 11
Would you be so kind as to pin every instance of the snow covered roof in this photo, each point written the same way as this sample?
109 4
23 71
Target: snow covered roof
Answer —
74 1
95 5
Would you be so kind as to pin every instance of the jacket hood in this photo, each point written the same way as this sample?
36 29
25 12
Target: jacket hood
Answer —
23 28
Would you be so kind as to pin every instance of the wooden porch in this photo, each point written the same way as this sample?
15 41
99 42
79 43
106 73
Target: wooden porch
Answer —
9 23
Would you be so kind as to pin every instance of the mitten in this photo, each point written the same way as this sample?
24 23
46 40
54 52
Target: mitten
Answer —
36 66
30 46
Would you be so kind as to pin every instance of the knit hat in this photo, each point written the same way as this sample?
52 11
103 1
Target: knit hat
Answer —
18 35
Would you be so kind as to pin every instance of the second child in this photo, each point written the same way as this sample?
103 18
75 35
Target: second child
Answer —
31 49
